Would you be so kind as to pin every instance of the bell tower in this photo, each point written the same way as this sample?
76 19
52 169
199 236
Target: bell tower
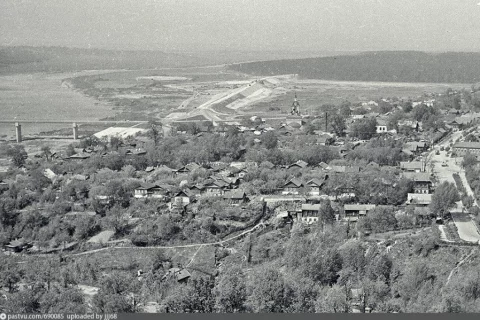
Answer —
295 106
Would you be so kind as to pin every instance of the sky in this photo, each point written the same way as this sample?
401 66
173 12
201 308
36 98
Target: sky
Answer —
244 25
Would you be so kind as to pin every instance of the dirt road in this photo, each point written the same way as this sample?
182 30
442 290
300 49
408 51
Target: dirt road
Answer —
444 167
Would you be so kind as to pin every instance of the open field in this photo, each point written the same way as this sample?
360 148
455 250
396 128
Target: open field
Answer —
214 93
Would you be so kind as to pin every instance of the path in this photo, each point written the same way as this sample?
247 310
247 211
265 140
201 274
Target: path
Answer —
443 234
460 263
465 226
260 224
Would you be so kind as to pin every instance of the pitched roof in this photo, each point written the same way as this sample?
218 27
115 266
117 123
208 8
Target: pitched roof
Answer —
311 207
349 169
417 176
467 145
411 165
315 182
300 163
358 207
235 194
297 183
419 198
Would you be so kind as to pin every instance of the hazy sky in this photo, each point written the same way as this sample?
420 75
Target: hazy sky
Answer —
324 25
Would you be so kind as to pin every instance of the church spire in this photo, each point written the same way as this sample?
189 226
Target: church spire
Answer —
295 106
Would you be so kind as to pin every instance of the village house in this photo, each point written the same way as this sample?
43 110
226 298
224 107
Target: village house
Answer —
235 197
309 213
421 180
197 190
409 125
3 185
150 190
299 164
292 187
461 148
188 168
419 199
79 156
354 211
315 185
416 146
182 198
238 172
413 166
82 214
381 126
345 169
216 188
181 275
18 245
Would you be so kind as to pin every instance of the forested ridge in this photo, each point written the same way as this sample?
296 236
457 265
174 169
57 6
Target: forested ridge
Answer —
391 66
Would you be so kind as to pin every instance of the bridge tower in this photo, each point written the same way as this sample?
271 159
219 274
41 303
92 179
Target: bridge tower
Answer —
18 132
75 131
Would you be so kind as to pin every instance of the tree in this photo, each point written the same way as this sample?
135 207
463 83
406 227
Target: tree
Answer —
338 125
267 291
444 198
364 129
46 152
17 154
154 132
333 300
382 219
468 160
327 214
9 275
70 150
270 140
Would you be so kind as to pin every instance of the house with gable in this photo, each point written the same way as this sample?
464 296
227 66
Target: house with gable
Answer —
315 185
299 164
292 187
151 190
421 180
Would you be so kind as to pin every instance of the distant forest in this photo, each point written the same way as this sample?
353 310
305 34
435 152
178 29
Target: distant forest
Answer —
60 59
401 66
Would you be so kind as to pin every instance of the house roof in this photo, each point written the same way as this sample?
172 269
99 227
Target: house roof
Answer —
80 156
422 211
467 145
349 169
315 182
148 186
358 207
81 214
325 166
17 243
235 195
411 165
217 184
185 192
417 176
311 207
300 163
419 198
297 183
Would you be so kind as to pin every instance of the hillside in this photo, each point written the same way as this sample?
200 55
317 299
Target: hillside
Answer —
60 59
404 66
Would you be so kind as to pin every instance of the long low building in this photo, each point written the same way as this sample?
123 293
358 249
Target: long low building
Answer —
461 148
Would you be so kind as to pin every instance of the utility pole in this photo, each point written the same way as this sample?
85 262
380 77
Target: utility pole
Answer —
326 121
